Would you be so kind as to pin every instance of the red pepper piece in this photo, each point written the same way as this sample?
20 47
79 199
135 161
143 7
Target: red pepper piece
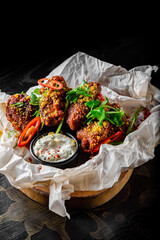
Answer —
52 84
29 131
146 113
111 138
101 97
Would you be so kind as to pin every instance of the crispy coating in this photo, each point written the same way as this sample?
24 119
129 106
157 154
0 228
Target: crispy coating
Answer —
21 114
76 114
92 134
52 103
77 111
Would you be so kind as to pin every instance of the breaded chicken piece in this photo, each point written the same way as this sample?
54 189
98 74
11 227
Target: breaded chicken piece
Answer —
92 134
19 111
52 103
78 110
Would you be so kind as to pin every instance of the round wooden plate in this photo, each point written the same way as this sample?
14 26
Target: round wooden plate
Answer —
81 199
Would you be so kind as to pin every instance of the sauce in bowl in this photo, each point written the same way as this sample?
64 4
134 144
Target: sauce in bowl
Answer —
54 147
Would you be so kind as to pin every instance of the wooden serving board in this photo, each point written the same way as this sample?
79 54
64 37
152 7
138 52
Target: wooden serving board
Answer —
81 199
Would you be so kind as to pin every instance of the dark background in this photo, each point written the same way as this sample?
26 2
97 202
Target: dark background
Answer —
128 49
30 50
131 40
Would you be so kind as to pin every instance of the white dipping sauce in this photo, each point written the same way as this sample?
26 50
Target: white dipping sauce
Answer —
54 147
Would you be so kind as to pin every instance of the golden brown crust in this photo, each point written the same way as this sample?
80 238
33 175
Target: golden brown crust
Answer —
19 111
76 115
78 110
52 103
92 134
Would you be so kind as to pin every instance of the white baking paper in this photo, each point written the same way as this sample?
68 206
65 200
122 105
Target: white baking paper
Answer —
130 89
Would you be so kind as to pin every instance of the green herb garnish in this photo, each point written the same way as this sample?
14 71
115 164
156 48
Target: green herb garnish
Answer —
99 113
73 95
115 117
62 120
93 104
18 104
11 132
133 119
97 110
36 91
35 101
15 145
34 98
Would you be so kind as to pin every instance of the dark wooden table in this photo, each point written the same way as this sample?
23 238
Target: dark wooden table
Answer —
133 213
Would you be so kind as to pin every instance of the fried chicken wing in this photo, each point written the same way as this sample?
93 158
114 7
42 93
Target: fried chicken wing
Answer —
76 114
78 110
19 111
52 103
92 134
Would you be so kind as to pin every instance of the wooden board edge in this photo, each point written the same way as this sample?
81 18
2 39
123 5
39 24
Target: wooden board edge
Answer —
87 200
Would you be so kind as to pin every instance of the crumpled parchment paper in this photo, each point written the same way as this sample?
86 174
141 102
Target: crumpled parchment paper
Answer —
130 89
